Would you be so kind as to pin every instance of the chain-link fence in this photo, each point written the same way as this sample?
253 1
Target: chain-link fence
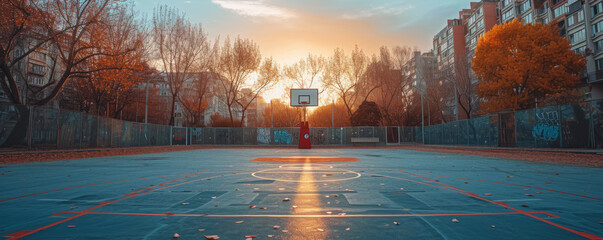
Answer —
567 126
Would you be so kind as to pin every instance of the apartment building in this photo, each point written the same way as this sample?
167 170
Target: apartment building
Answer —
454 46
581 21
34 71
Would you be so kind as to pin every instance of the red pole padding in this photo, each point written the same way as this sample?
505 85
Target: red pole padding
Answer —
304 136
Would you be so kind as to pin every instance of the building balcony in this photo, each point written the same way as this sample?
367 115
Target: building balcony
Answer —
37 71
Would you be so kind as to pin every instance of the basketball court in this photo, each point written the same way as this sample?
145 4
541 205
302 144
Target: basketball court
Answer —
285 193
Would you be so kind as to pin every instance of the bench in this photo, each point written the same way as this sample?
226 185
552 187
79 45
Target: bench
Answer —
365 140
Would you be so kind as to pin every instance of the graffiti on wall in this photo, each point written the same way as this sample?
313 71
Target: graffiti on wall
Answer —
282 137
264 135
547 126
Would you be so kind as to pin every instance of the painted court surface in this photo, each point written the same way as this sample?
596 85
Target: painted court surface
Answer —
295 194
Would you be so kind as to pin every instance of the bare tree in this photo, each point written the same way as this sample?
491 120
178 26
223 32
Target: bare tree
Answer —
305 72
345 77
178 46
193 97
385 73
115 85
66 30
268 77
235 62
458 74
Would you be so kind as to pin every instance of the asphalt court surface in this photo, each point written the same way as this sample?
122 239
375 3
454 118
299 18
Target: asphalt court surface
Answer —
385 194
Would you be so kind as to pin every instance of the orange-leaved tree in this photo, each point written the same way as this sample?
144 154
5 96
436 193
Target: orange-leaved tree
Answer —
518 64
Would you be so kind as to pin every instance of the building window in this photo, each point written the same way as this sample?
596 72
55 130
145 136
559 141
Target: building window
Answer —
523 7
598 46
596 9
599 63
528 19
559 11
480 24
597 27
575 18
507 15
577 37
505 3
580 50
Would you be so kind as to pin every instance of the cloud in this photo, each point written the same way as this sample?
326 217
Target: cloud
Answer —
378 11
254 8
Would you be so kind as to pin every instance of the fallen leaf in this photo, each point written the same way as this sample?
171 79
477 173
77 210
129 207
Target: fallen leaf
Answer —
396 223
378 205
529 195
320 229
335 195
263 208
454 220
251 206
347 229
276 227
239 221
285 231
250 236
488 194
201 229
524 205
184 203
270 236
71 226
294 206
341 214
213 197
72 207
492 226
286 199
329 212
216 205
212 237
176 235
236 189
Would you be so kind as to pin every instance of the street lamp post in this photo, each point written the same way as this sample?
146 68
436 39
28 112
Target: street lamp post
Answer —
146 103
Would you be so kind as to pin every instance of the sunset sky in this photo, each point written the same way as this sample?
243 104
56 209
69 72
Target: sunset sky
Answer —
290 29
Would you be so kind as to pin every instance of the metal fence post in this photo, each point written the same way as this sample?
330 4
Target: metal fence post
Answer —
560 128
30 127
82 128
171 135
58 127
111 134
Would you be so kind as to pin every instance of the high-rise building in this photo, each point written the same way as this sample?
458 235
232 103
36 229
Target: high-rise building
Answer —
581 21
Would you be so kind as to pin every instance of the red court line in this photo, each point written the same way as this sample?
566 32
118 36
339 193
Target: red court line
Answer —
21 234
87 185
583 234
310 216
525 186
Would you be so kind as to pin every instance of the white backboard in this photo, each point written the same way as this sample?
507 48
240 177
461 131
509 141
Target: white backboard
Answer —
304 97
